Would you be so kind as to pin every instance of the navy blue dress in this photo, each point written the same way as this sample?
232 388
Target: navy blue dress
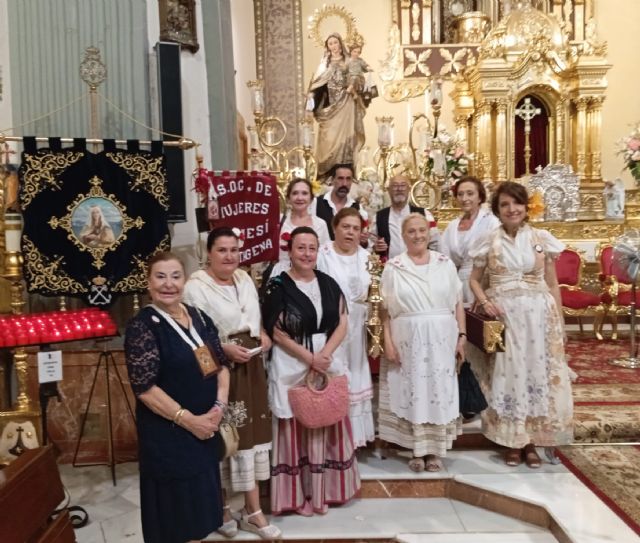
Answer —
180 490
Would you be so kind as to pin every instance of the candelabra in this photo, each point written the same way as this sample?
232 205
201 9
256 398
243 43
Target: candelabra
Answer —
266 141
374 322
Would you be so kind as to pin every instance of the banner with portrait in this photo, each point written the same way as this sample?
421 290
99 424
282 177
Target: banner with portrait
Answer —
250 202
91 221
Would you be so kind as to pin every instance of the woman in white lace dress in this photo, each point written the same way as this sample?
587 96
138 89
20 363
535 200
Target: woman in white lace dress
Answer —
527 387
467 230
424 335
345 261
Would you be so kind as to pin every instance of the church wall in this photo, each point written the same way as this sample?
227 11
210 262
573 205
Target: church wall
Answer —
244 54
5 71
618 23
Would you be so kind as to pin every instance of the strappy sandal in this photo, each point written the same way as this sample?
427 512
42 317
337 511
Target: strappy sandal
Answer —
416 464
433 463
531 457
513 457
266 532
230 527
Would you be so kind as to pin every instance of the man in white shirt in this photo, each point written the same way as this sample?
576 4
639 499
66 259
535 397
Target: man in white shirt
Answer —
388 223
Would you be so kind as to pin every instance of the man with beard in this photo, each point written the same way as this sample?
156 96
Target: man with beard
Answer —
338 197
387 231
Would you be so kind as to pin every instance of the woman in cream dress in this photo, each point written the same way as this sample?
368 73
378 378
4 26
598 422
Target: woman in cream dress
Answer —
345 261
527 387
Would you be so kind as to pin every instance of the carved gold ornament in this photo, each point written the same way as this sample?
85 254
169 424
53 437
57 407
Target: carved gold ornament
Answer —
350 34
136 279
97 244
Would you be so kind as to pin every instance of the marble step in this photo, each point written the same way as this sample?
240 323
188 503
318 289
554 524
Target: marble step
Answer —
477 538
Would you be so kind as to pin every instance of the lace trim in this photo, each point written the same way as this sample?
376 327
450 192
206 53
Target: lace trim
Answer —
287 469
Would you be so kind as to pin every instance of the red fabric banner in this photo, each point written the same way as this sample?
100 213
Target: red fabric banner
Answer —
248 201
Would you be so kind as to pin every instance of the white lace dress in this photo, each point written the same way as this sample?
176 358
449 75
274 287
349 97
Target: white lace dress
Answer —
527 387
456 244
350 272
419 398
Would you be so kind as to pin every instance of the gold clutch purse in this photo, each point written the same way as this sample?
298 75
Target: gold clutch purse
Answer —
486 333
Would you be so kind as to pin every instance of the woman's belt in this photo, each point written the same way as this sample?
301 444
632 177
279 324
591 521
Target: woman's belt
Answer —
518 281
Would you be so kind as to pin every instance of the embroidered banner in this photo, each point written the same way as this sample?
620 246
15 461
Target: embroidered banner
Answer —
250 202
91 221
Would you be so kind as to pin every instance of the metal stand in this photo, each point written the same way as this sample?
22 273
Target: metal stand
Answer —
632 361
106 356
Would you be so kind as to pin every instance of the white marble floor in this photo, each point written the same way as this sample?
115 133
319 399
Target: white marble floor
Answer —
115 515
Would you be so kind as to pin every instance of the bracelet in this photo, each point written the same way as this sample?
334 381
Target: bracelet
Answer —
462 334
178 415
486 300
221 405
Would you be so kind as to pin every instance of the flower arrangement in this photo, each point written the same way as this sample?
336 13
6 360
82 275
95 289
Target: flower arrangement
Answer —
629 148
536 206
456 160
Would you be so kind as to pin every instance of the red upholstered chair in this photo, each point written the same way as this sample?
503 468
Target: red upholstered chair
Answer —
615 287
577 302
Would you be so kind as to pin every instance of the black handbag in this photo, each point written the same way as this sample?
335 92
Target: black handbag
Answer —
470 395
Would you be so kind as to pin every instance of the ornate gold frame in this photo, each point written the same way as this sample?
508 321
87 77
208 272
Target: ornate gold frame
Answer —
333 10
97 253
179 27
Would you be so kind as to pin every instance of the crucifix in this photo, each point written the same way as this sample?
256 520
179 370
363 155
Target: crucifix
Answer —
6 153
526 112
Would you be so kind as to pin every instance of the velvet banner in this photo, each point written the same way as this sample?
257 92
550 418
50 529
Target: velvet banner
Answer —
91 221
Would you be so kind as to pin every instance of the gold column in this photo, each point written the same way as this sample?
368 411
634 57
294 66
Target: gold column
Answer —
561 127
581 136
462 129
501 139
477 169
595 131
484 140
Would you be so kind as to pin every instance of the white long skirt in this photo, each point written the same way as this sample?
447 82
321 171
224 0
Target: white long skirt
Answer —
419 398
360 385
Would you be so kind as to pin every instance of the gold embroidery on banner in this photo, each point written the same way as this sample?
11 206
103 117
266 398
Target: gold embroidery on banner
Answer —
46 274
137 277
97 243
42 170
147 174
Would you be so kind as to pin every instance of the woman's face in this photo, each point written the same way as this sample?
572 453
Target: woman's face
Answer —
333 44
300 197
511 213
416 235
304 252
166 282
347 233
224 256
95 215
468 197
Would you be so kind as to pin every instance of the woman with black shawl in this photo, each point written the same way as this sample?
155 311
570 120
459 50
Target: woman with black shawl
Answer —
304 312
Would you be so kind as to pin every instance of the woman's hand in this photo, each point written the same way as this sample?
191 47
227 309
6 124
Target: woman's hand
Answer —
236 353
460 356
391 353
321 361
201 426
265 341
492 309
216 414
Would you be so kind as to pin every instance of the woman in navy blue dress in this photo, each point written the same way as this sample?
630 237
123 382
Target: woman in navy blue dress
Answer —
180 404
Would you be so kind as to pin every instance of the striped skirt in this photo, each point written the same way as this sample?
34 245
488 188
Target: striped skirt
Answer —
316 466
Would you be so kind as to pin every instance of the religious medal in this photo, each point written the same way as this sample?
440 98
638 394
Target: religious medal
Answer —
208 365
538 248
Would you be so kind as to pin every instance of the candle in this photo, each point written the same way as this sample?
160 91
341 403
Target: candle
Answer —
426 101
13 232
253 139
268 136
307 134
409 119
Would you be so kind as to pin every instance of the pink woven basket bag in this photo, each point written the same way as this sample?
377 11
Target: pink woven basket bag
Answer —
319 407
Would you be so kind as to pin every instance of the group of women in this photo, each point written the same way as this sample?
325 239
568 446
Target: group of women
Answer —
313 317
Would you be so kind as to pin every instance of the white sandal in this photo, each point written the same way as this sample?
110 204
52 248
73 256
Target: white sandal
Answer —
266 532
229 528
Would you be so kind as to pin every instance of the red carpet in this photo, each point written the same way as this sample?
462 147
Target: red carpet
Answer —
606 398
611 472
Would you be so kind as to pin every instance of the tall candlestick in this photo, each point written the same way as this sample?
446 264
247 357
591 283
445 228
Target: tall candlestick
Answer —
12 232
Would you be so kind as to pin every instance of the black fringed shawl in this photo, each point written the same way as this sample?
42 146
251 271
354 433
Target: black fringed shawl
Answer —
288 308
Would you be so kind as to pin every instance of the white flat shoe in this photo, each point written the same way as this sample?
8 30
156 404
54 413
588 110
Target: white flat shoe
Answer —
229 528
266 532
